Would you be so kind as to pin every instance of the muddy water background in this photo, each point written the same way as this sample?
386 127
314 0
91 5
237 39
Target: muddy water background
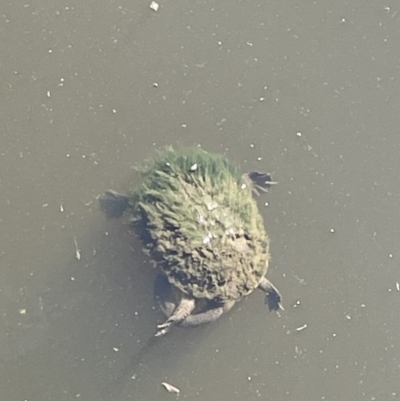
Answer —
307 91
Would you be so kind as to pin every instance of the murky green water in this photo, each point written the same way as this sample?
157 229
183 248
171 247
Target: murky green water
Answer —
307 91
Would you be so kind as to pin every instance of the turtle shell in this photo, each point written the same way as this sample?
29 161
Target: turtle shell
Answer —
200 224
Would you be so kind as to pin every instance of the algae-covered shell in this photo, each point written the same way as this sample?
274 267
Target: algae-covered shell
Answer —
200 224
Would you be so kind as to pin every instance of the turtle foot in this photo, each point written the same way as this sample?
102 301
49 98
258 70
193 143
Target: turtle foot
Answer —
113 204
166 325
263 180
273 297
259 181
273 300
162 331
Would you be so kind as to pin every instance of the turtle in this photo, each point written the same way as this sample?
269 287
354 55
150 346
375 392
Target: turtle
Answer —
198 220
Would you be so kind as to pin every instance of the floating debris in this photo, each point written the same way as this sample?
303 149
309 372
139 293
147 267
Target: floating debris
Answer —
170 388
154 6
296 304
397 286
77 250
61 208
301 328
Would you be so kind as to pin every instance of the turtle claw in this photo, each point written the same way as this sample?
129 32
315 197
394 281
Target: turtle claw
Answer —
164 325
163 329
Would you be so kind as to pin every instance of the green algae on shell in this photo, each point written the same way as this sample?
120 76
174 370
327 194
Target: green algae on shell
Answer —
201 225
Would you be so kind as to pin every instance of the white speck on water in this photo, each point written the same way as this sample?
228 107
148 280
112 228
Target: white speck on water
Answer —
22 311
252 145
77 250
114 111
48 94
259 158
332 230
154 6
348 317
298 134
155 85
61 208
300 280
115 349
296 304
301 328
72 278
183 125
397 286
266 204
390 255
170 388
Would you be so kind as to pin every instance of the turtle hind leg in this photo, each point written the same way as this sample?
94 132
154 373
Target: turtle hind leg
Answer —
113 204
273 297
182 311
260 181
208 316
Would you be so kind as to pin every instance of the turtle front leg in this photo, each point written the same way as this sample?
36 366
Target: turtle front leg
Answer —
273 297
113 204
182 311
208 316
258 181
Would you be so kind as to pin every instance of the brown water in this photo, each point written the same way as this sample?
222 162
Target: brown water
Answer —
307 90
